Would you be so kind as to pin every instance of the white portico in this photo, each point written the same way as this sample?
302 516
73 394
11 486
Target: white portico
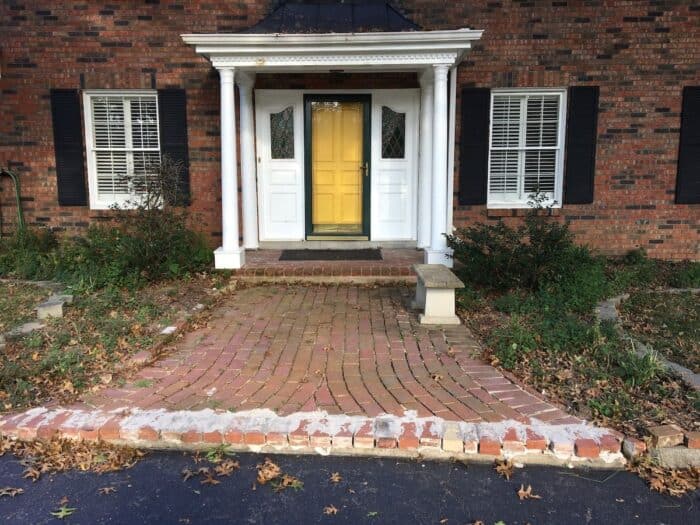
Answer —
353 164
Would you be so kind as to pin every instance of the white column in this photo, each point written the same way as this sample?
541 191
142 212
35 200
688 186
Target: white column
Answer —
426 159
249 195
230 254
437 253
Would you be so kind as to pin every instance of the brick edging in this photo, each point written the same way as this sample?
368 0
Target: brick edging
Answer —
321 433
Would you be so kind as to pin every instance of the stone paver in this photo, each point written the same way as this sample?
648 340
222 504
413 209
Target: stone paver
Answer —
341 349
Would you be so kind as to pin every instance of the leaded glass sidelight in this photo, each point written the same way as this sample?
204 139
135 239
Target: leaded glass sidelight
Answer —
282 133
393 134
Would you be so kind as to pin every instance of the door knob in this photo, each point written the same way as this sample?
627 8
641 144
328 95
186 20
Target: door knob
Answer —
365 169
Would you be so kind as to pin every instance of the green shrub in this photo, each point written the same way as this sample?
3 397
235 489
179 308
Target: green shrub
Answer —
29 254
512 340
147 240
538 254
687 276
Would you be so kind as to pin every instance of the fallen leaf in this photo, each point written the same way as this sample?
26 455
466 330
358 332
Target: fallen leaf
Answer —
504 467
187 474
63 512
372 514
268 471
330 510
106 490
32 473
209 479
336 477
526 493
10 492
226 467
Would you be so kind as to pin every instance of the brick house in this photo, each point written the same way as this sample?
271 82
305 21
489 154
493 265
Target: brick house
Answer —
360 121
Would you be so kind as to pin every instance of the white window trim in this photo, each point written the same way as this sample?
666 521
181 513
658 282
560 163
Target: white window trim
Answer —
556 202
95 202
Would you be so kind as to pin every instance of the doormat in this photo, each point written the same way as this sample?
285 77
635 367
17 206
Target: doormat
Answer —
367 254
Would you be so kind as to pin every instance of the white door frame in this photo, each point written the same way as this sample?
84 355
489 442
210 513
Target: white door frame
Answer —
273 100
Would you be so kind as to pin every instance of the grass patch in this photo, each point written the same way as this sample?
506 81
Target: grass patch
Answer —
17 303
669 323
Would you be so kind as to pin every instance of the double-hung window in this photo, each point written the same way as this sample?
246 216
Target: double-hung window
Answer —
526 152
123 145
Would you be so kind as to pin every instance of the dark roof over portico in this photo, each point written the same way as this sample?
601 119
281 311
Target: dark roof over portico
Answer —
350 16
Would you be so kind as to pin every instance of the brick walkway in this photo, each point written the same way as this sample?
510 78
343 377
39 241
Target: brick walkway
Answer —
325 368
341 349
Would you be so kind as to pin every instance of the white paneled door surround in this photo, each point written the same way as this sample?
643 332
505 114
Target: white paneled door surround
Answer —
281 159
407 168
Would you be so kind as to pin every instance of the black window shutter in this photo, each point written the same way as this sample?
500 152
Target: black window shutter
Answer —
68 147
581 134
474 145
172 119
688 175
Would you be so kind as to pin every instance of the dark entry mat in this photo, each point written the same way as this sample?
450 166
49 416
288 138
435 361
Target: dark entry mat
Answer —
368 254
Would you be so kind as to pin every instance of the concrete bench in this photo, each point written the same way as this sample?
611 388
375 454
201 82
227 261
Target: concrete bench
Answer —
435 294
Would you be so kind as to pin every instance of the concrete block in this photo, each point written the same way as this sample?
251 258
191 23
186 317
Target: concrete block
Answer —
677 457
49 309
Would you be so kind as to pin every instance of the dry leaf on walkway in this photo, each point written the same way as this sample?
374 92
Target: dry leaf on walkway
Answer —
268 471
227 467
187 474
31 473
526 493
106 490
336 477
10 492
505 468
209 479
287 482
330 510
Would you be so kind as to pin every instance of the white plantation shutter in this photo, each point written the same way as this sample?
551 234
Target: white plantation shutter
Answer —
525 148
125 144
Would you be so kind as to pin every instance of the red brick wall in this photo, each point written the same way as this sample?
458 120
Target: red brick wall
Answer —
641 53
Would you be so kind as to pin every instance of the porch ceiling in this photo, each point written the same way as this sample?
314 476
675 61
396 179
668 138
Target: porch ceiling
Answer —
407 51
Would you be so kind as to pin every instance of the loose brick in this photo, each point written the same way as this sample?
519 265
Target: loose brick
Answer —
512 442
277 438
254 438
320 440
562 446
632 447
233 436
586 448
489 446
191 437
408 438
452 438
534 441
666 435
386 442
214 437
110 431
149 434
364 437
692 439
609 443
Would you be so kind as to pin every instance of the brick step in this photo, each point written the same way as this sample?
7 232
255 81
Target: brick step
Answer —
263 430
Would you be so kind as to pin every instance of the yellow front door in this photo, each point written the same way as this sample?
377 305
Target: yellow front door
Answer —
336 167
